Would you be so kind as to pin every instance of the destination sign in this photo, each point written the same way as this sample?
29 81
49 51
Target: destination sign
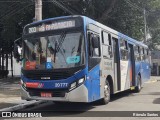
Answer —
52 26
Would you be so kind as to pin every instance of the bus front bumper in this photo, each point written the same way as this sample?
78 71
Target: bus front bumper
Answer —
79 94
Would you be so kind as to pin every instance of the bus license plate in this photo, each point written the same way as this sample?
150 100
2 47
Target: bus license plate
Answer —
46 94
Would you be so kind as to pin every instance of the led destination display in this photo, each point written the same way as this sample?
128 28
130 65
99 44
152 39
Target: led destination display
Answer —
52 26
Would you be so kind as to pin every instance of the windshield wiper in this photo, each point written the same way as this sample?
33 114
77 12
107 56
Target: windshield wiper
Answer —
60 41
58 45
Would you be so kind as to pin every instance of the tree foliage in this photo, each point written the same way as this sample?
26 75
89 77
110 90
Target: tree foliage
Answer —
117 14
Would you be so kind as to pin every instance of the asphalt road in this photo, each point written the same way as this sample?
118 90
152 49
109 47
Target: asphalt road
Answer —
147 100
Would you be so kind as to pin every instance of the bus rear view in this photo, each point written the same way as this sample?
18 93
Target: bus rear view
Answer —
54 56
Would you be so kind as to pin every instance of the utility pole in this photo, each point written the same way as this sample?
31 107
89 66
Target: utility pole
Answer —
145 27
38 10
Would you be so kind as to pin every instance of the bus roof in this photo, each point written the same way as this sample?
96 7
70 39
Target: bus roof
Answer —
91 21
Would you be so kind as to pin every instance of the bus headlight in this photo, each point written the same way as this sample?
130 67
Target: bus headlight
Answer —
77 83
73 85
80 81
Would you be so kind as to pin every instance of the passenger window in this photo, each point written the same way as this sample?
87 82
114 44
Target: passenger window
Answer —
142 53
123 44
124 49
106 46
106 38
97 51
94 50
141 50
146 56
137 53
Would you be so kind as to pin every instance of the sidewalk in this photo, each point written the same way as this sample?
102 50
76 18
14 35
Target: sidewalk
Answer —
9 92
155 78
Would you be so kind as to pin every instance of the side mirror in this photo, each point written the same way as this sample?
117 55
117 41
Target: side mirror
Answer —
95 42
17 52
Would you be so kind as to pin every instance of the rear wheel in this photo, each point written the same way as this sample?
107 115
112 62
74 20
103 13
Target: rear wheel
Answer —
106 98
139 84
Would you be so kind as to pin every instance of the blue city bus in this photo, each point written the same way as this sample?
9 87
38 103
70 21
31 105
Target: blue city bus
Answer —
76 59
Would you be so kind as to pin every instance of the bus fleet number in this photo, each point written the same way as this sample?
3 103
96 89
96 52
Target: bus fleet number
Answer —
60 85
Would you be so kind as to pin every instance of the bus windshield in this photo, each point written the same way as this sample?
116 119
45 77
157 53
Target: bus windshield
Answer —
63 50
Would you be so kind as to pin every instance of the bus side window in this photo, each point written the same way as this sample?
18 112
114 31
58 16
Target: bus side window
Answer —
106 45
147 55
89 44
141 53
124 49
137 53
94 49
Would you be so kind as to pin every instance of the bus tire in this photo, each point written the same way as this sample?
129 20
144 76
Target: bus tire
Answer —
107 93
139 84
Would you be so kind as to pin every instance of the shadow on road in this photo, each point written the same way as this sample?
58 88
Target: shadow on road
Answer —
74 108
5 105
9 87
156 101
121 95
154 93
62 109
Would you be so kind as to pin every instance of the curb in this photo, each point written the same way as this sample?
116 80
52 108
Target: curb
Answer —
22 106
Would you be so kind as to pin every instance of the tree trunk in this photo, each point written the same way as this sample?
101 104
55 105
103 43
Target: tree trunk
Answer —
12 64
7 65
3 73
0 59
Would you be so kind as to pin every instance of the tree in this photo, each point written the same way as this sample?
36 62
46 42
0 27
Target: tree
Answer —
117 14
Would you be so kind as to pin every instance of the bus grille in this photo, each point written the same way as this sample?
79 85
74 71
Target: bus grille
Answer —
47 75
55 93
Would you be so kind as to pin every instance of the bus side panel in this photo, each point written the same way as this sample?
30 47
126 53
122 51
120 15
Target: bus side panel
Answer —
93 84
125 81
145 71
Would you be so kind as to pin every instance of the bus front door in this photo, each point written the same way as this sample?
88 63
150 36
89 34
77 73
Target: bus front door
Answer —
117 72
132 65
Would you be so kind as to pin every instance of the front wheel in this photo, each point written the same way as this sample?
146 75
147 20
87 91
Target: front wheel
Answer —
139 85
106 98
